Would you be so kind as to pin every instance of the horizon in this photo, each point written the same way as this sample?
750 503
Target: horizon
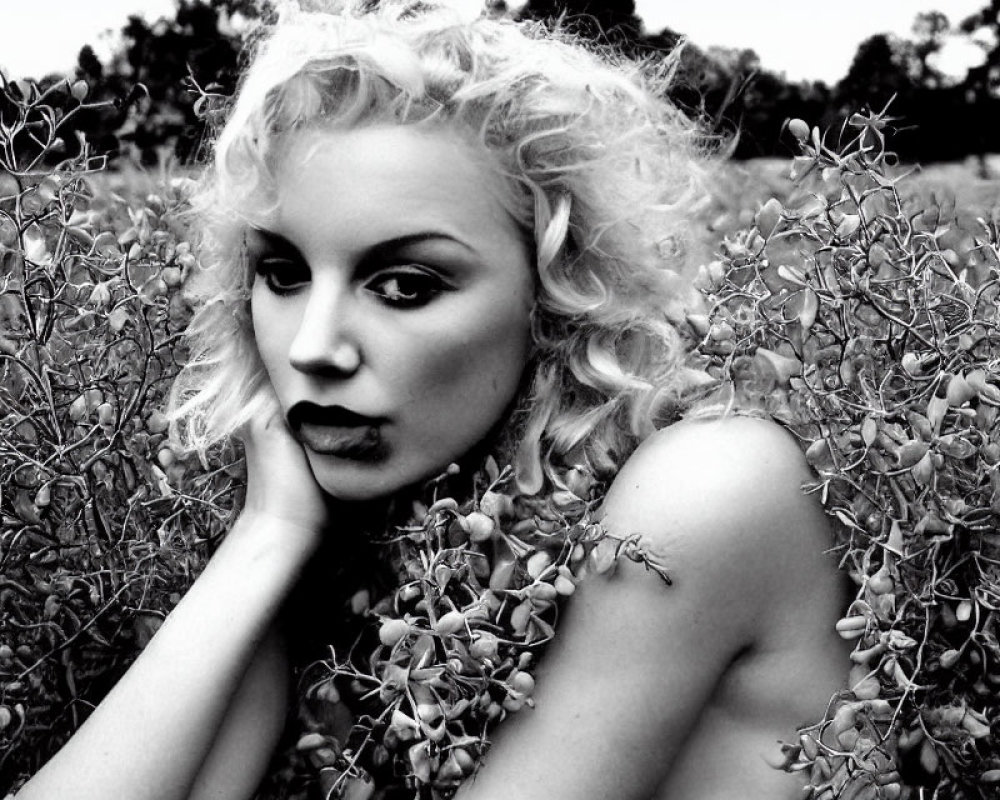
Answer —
788 49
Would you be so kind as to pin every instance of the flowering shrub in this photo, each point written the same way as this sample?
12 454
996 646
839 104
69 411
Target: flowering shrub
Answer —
450 650
864 321
868 325
103 523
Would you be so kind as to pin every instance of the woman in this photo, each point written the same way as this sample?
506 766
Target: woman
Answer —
426 240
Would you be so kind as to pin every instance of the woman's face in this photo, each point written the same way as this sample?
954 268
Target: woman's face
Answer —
390 304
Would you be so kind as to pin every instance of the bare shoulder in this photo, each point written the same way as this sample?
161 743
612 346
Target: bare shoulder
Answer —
712 656
738 470
720 460
723 502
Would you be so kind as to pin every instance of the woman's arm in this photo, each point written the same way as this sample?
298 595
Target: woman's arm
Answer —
150 737
637 665
151 734
251 729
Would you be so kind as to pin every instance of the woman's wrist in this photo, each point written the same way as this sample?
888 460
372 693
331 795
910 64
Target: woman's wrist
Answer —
274 536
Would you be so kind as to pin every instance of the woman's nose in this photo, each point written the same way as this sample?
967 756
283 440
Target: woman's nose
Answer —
325 341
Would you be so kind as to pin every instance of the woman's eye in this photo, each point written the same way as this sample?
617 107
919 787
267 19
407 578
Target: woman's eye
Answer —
282 275
407 289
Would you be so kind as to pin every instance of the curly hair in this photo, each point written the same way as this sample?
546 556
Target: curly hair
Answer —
599 169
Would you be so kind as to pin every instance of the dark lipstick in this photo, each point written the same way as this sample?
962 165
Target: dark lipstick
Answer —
337 431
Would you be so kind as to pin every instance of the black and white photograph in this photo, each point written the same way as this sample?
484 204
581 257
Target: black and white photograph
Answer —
499 400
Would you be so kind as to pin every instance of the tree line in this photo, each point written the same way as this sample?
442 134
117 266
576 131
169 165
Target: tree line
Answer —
161 68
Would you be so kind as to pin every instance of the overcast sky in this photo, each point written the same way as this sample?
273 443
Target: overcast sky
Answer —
805 39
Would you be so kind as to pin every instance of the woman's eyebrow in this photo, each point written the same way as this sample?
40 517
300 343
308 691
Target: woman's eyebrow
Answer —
402 242
278 242
273 240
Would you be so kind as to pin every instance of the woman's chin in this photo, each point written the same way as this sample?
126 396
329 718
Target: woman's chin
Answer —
346 490
354 481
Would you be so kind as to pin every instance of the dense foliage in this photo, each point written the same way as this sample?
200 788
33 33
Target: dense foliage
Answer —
860 316
405 703
103 524
868 325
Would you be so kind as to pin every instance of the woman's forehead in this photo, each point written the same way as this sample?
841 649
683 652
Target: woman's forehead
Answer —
416 172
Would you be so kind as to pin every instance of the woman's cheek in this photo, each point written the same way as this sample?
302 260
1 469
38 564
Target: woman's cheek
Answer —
484 367
271 340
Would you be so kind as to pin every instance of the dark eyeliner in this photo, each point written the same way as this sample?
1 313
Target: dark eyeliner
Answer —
264 266
429 285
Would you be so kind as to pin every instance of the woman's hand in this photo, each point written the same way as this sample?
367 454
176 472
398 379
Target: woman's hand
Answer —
280 482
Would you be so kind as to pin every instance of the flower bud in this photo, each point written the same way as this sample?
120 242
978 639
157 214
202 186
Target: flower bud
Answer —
171 276
452 622
485 645
44 496
100 295
392 630
78 409
481 526
799 128
538 563
522 682
768 217
106 413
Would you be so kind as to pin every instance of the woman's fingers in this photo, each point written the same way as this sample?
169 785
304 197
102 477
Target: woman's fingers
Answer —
280 482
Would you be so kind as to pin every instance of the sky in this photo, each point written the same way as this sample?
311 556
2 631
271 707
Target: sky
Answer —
804 39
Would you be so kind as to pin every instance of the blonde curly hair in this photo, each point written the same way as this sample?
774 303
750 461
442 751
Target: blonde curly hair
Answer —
601 172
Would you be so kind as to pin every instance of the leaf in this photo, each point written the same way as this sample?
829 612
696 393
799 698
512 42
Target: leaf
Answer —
869 431
784 367
768 217
25 509
420 761
810 307
602 557
956 446
848 225
492 470
791 274
895 540
106 245
936 408
520 617
959 391
160 479
818 455
910 452
36 250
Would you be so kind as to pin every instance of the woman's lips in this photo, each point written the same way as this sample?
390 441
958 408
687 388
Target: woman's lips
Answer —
337 431
337 440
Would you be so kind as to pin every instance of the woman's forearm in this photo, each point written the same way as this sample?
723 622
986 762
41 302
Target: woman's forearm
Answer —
150 736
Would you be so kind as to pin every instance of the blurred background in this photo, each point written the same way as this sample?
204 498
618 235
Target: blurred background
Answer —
746 67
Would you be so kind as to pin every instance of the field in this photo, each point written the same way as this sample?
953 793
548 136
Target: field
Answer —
105 523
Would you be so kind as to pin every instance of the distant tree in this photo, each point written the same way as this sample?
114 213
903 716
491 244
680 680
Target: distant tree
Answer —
984 80
706 80
883 68
982 83
151 76
726 88
936 121
930 30
88 65
164 57
609 21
